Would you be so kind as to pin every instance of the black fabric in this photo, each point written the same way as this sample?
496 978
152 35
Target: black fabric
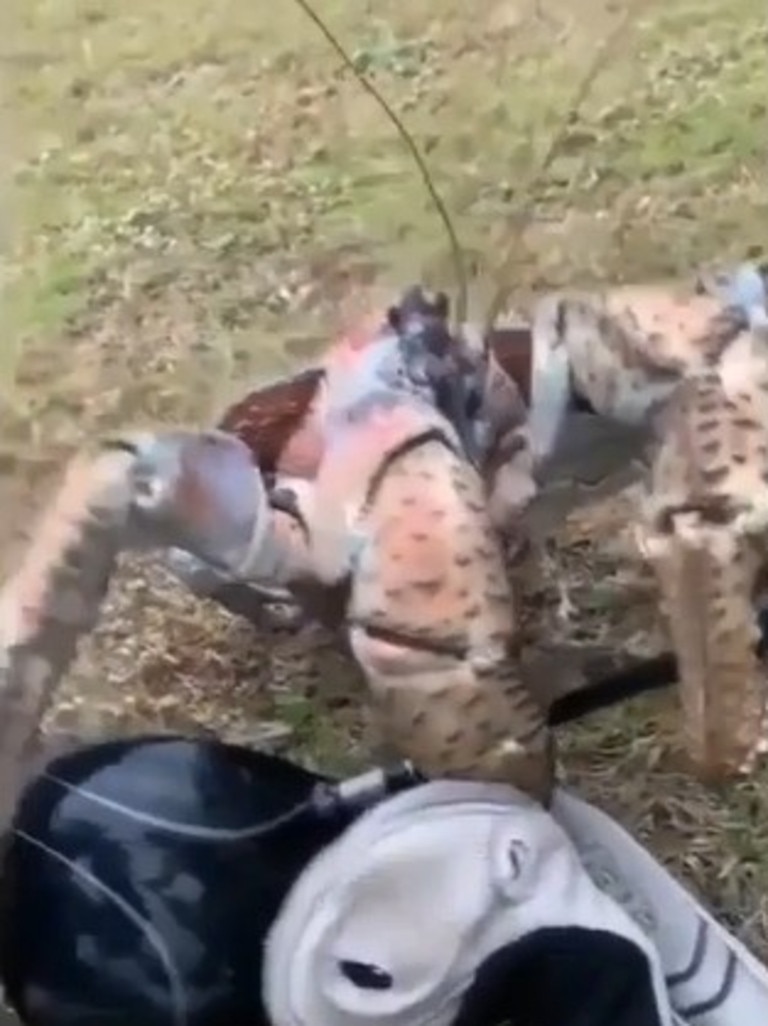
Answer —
563 976
72 955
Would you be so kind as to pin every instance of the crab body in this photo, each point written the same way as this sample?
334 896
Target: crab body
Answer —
365 483
617 387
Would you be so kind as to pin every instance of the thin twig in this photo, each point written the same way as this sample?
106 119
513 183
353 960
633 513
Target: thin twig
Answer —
520 221
457 252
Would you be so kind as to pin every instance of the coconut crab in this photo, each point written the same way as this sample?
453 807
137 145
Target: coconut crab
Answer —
223 499
638 384
437 636
316 484
437 646
395 515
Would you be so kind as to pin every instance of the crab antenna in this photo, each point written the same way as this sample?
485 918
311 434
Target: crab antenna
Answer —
52 601
456 249
557 140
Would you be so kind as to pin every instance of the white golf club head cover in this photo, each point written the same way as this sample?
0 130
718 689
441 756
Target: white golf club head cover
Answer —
390 925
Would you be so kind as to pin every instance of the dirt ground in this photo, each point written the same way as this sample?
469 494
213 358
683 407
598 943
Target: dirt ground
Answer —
197 197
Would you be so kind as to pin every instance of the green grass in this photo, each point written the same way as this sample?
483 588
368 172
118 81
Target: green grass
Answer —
197 191
222 156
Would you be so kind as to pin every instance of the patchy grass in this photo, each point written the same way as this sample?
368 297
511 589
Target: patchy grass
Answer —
199 192
175 154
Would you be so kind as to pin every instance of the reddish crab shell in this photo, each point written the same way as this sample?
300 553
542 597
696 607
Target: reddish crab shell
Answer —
275 420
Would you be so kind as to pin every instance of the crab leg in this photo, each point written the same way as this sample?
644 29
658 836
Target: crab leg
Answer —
704 532
706 576
54 598
433 623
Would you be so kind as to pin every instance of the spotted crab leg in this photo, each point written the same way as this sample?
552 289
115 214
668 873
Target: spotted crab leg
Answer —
54 598
434 624
704 531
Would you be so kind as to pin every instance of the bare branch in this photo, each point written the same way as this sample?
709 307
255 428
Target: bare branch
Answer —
457 253
520 220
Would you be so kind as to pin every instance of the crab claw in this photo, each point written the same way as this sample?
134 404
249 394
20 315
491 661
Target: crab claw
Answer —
199 491
260 604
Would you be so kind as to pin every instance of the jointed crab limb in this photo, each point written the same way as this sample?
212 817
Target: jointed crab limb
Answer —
259 604
602 369
705 532
706 576
396 511
54 598
199 491
434 627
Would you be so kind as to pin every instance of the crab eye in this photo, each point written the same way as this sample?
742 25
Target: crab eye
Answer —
365 975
